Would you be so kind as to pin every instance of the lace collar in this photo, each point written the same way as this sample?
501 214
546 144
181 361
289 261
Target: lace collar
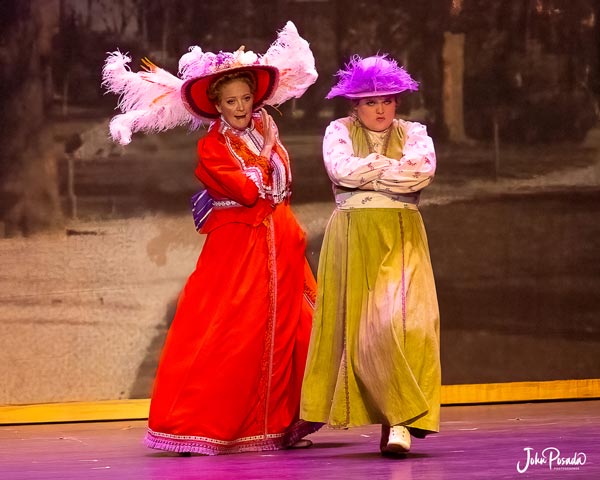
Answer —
226 127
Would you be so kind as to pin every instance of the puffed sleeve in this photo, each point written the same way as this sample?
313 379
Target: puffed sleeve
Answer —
222 174
343 167
412 172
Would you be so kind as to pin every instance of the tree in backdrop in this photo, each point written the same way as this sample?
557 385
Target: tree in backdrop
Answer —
505 63
29 199
530 69
522 66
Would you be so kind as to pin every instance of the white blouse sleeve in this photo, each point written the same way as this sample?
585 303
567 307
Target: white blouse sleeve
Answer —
412 172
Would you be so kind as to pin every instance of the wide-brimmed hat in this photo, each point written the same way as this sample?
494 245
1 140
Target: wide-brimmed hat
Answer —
209 67
154 100
373 76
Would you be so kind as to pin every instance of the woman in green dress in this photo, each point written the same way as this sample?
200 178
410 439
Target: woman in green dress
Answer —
374 352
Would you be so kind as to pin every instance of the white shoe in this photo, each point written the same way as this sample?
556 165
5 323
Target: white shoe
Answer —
398 440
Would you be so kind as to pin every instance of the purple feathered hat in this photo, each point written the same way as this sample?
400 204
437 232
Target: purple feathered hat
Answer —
370 77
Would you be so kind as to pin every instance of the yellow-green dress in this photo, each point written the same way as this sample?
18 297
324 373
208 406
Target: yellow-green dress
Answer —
374 349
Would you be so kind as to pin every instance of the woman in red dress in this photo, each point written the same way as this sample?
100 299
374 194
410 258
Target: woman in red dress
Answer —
230 374
231 369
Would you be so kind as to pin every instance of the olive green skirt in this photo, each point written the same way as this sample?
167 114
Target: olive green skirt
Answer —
374 351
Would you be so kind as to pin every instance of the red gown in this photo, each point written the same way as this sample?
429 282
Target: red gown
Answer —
231 369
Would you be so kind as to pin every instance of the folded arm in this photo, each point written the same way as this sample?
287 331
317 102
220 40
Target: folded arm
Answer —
412 172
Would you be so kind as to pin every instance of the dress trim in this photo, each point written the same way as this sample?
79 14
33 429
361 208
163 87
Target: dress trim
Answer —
345 350
402 243
310 295
219 204
272 320
212 446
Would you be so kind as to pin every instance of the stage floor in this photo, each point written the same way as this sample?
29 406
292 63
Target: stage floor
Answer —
484 441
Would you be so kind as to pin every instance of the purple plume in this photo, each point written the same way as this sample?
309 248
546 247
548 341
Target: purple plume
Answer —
372 76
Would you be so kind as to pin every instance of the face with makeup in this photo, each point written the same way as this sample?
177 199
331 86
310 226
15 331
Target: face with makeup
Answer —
235 103
376 113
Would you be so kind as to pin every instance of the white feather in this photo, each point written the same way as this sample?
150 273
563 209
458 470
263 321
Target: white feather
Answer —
292 55
150 100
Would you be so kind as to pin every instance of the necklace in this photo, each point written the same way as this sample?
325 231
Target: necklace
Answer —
383 137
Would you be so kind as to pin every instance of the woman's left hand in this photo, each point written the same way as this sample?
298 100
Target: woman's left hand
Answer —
268 133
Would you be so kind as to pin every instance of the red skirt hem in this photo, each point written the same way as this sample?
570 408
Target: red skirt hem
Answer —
211 446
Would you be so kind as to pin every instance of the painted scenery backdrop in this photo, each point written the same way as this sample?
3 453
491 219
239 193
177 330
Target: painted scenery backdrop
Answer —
96 240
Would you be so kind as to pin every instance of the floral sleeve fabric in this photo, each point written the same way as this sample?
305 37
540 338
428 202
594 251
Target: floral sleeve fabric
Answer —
412 172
